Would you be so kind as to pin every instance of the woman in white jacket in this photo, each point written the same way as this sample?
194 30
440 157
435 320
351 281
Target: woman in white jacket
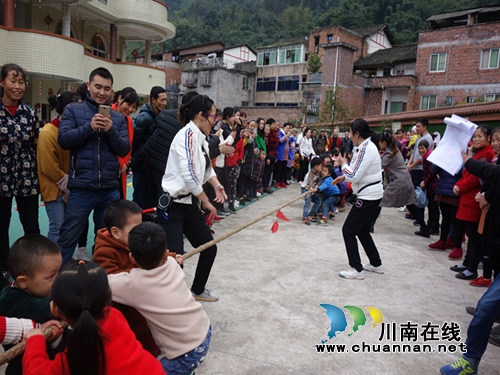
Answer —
365 173
306 149
188 168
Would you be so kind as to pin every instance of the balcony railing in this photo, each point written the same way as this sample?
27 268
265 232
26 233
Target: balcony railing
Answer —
203 63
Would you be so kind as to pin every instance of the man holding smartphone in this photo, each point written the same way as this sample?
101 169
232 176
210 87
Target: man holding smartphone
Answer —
95 138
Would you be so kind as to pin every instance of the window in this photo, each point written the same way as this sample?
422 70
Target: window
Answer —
438 62
490 97
470 99
290 54
396 107
287 104
329 38
245 83
428 101
489 58
266 84
264 104
99 45
316 40
267 57
449 101
387 72
245 104
288 83
206 79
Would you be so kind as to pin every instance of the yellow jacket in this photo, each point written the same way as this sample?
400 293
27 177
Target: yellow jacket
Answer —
53 162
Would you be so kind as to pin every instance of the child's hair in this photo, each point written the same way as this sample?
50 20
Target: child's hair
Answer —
81 293
329 167
315 162
325 156
129 95
82 91
148 243
423 143
59 102
335 152
118 212
26 254
391 141
227 113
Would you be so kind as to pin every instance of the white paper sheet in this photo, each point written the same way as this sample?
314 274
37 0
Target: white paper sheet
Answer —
457 135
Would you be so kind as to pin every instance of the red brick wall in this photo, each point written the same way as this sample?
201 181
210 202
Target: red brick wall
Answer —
281 114
173 76
463 46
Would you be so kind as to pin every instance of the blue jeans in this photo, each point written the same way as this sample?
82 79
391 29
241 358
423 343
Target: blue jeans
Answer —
187 363
487 309
329 204
80 204
307 202
55 213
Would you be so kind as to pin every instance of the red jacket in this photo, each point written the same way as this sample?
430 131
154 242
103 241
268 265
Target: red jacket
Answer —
232 161
334 143
469 185
124 354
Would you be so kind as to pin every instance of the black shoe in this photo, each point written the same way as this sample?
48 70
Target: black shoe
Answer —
462 276
416 223
268 190
495 336
410 217
458 268
434 231
232 209
471 310
248 199
242 202
422 233
224 211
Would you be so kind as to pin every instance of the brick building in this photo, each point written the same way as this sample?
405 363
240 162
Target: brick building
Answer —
458 58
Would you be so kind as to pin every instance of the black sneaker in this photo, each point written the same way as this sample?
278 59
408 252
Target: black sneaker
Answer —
495 336
471 310
416 223
462 276
248 199
242 202
458 268
232 209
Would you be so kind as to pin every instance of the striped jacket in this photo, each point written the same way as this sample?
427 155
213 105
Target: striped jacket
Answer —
365 168
188 165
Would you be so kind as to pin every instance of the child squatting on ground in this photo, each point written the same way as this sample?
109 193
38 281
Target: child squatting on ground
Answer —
101 341
34 261
311 180
157 289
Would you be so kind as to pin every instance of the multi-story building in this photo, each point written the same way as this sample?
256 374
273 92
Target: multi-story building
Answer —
458 58
60 42
226 75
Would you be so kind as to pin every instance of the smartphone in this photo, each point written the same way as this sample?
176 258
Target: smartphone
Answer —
104 110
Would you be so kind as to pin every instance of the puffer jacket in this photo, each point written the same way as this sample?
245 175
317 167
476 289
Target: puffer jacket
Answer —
143 128
93 155
156 149
445 181
282 144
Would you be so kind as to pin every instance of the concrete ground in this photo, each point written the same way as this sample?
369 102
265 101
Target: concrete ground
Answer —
268 319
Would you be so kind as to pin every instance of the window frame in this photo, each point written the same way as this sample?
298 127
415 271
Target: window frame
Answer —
438 55
428 101
489 52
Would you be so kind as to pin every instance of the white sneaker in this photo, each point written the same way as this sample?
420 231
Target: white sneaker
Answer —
370 268
258 194
402 209
207 296
352 274
236 204
81 254
336 210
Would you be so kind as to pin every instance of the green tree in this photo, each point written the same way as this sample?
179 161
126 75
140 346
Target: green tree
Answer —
333 111
314 62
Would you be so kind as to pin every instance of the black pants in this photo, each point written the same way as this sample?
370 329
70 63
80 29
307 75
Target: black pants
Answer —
187 219
28 214
417 176
417 214
358 224
474 253
242 187
449 214
140 183
268 171
304 168
433 208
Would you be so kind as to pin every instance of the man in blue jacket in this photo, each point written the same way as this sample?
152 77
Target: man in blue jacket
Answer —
95 141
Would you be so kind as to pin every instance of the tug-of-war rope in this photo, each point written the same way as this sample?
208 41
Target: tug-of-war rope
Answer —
18 349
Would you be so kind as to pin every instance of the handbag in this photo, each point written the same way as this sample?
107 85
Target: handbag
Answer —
421 201
353 196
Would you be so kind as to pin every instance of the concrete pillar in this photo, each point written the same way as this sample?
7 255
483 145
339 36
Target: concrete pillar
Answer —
113 38
66 20
8 13
148 52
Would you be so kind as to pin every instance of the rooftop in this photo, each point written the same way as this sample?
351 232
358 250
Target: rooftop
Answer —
387 57
286 42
